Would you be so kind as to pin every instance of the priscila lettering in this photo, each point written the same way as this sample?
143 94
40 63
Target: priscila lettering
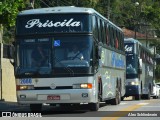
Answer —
128 48
66 23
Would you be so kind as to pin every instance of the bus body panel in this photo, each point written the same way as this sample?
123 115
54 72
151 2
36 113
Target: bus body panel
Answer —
111 72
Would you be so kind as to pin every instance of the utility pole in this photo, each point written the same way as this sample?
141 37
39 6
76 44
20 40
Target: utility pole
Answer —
57 3
136 22
32 4
108 14
154 62
1 34
77 3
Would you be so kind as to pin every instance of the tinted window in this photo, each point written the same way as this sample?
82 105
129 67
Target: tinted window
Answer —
132 64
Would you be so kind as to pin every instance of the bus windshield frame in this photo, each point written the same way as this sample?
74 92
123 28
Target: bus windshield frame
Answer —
131 60
56 49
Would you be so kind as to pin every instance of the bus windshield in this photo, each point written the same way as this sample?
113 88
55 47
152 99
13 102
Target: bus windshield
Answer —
55 55
72 54
131 64
33 55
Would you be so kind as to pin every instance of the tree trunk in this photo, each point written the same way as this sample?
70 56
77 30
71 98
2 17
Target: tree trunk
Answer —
1 32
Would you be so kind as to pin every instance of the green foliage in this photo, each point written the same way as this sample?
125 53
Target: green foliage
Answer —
9 10
122 12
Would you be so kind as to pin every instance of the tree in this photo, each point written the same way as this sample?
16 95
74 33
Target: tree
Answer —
9 10
152 15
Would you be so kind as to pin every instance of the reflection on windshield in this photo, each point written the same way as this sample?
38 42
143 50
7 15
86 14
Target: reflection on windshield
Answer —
34 55
66 55
75 52
131 64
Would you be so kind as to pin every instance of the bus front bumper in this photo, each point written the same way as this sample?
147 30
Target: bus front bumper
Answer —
132 90
56 96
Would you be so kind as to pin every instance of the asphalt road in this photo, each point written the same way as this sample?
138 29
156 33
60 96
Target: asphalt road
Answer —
127 109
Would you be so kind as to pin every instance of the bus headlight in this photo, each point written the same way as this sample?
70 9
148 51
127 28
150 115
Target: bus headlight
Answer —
135 83
25 87
82 86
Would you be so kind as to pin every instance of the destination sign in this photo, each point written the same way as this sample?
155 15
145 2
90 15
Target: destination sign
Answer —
52 23
129 48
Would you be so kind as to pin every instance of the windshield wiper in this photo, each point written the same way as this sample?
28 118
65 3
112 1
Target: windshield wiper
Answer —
64 67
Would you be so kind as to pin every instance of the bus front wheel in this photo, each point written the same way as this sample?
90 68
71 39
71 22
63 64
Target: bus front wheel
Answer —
35 107
117 98
94 106
137 97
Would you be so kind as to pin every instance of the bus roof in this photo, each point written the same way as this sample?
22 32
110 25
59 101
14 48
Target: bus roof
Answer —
61 9
132 40
64 9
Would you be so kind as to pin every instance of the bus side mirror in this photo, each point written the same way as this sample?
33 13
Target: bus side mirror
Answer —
140 66
12 61
11 54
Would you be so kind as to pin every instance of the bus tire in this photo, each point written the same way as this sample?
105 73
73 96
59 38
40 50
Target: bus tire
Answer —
67 106
147 96
137 97
119 99
94 106
122 98
154 97
35 107
116 100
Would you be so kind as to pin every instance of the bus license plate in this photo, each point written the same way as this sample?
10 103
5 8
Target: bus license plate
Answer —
53 97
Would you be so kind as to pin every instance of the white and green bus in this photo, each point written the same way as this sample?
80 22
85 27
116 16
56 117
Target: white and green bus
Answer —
99 76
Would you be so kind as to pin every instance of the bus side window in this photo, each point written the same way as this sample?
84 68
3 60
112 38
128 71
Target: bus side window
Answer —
113 37
107 35
119 41
99 31
103 33
95 27
116 40
121 37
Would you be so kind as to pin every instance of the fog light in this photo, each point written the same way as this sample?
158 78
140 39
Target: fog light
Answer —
23 96
84 94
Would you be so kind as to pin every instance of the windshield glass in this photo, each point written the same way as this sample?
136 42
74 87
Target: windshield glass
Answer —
72 54
34 55
67 55
132 64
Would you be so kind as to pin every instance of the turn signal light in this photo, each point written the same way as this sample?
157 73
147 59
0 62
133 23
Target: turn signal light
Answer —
82 86
24 87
